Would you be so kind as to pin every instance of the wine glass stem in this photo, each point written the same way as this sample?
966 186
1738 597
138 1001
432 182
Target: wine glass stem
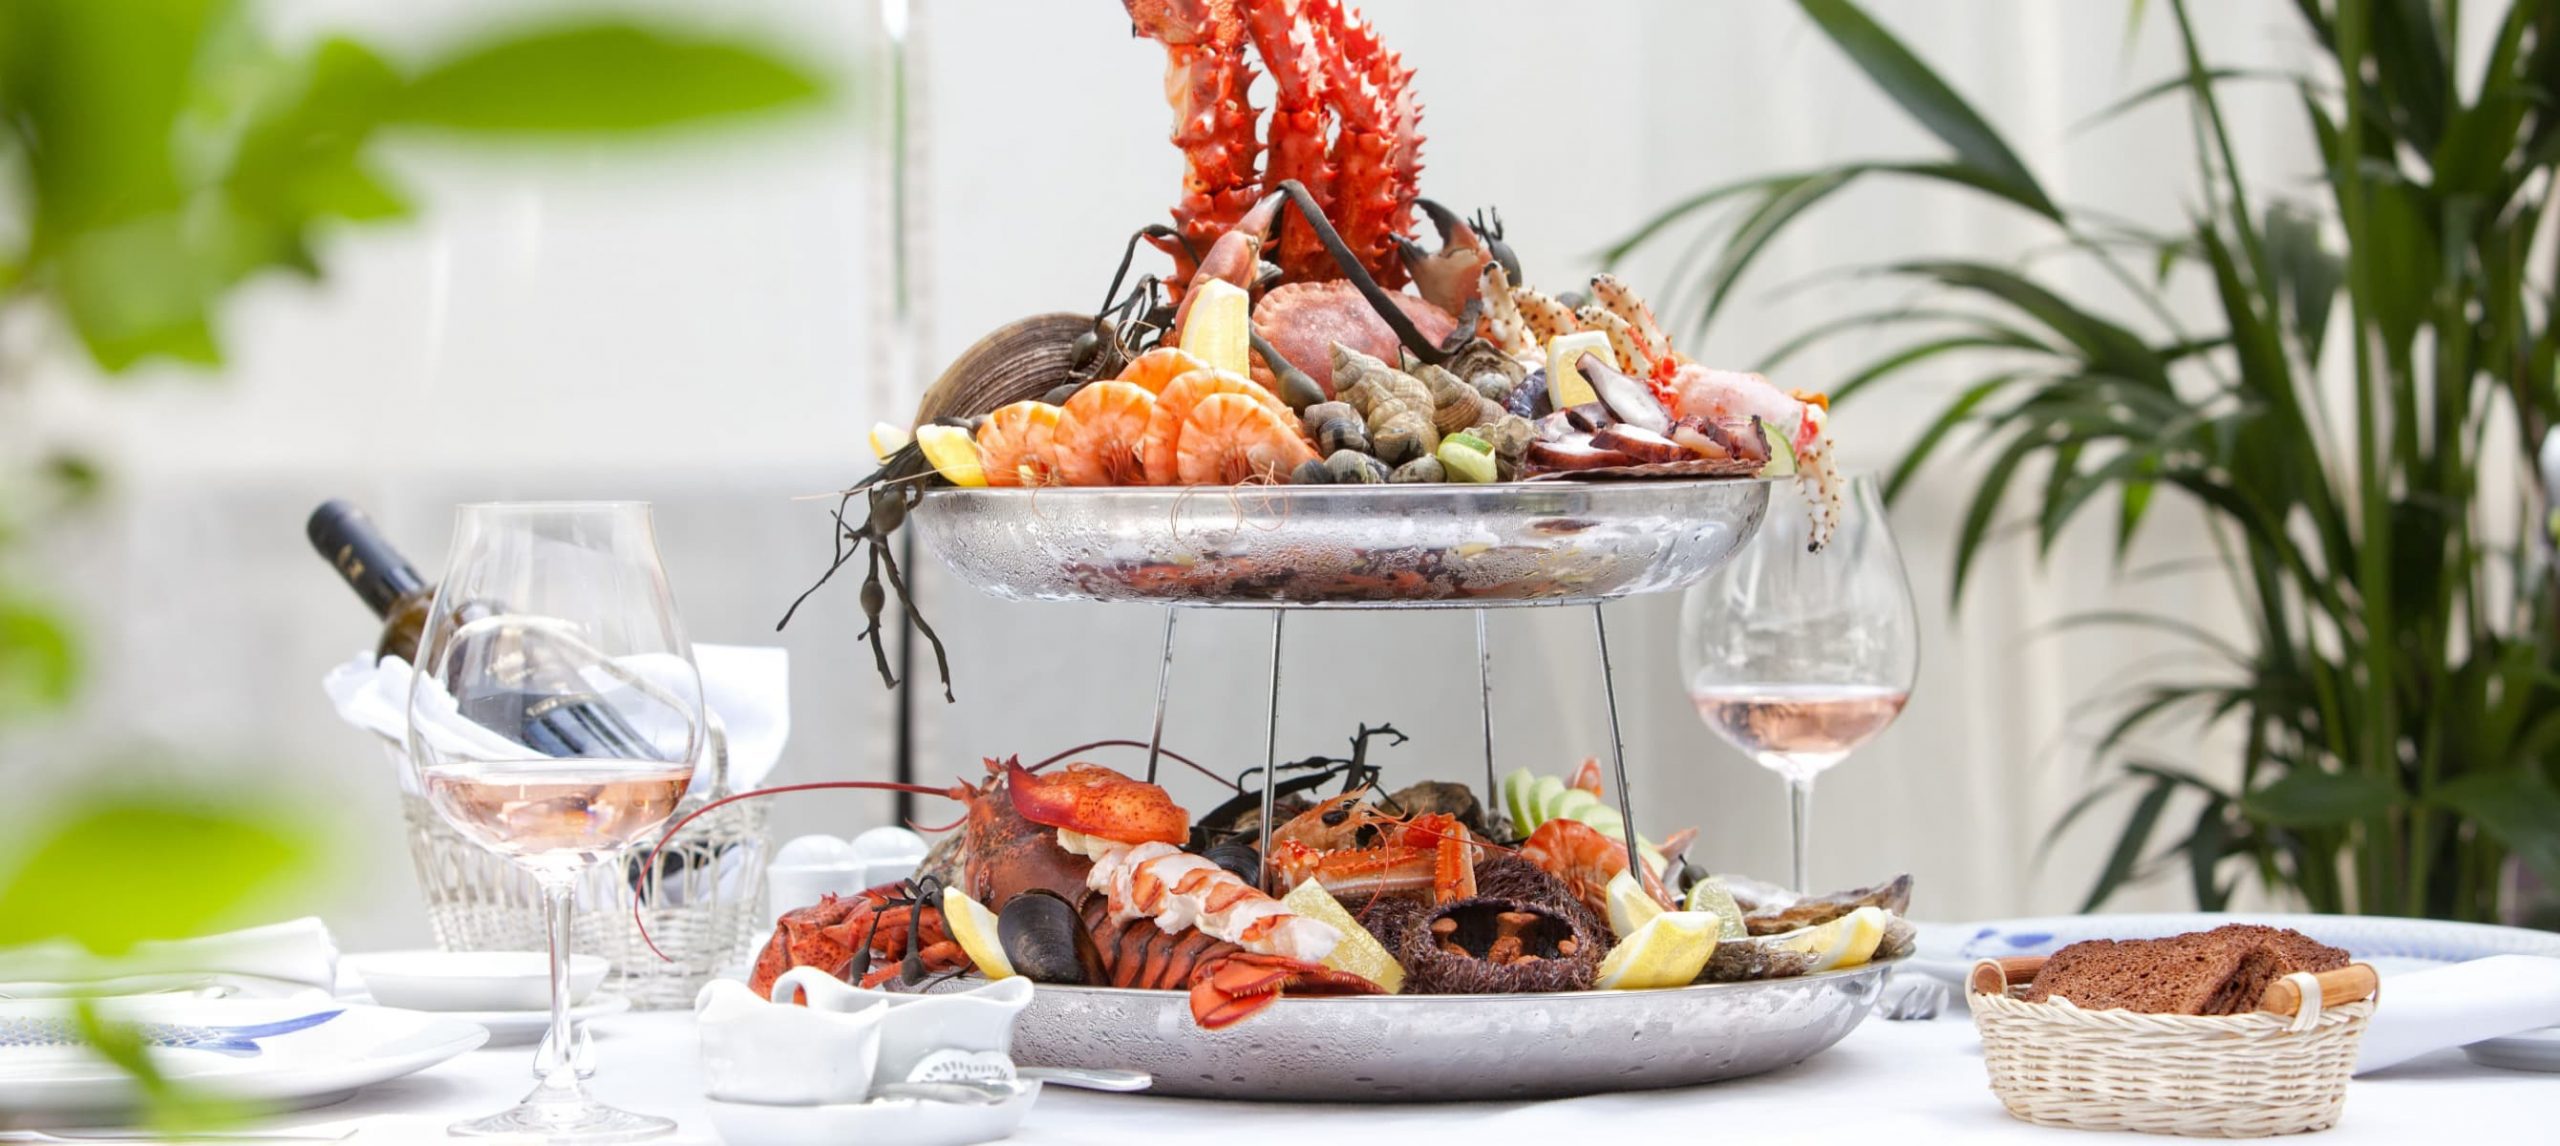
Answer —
1799 810
560 1068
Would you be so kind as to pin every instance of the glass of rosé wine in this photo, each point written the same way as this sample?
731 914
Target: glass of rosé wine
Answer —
1804 646
555 719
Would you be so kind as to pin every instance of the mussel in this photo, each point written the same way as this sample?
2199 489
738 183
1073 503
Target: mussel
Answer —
1045 937
1238 858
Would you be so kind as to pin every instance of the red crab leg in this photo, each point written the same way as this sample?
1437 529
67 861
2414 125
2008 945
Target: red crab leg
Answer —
1206 77
1376 156
1301 121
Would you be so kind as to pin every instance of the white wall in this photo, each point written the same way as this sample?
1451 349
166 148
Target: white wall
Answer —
694 326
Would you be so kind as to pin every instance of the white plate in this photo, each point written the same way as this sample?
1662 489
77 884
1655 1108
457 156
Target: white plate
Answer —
886 1122
516 1028
354 1047
471 980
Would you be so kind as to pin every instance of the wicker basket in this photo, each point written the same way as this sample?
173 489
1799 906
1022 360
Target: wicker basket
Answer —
702 904
2280 1070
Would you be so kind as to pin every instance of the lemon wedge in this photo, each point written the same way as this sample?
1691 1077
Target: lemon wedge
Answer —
888 438
1668 951
1565 384
1629 907
1710 894
1359 953
1844 942
1219 328
973 927
953 453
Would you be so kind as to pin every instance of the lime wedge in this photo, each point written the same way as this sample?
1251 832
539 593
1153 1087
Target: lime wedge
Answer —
1711 894
1668 951
1359 952
973 927
1515 798
1782 451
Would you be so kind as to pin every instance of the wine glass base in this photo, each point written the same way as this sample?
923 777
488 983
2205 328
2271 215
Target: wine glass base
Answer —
569 1119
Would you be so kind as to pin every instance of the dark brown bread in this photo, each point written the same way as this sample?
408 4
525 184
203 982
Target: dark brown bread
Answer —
2219 972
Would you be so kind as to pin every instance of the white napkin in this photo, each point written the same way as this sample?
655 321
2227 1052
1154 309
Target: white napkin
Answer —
2443 1007
2461 1004
274 961
747 689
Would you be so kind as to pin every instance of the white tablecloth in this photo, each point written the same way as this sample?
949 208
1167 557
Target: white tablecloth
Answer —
1887 1082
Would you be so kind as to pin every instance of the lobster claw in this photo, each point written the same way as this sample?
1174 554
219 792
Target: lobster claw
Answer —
1096 801
1237 987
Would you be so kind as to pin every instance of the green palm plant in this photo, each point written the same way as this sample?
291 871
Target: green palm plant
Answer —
2397 696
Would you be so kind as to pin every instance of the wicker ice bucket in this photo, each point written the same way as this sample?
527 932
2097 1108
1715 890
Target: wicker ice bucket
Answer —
2280 1070
702 903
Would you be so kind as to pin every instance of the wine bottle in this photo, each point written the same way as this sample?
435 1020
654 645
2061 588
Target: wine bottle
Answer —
553 713
390 586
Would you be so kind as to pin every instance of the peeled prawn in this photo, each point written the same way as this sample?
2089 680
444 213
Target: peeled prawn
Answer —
1231 438
1018 445
1101 434
1162 448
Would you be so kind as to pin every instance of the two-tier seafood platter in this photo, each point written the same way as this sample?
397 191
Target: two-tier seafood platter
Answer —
1307 407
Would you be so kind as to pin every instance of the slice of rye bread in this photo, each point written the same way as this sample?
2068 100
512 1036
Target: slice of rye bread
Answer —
2219 972
2180 975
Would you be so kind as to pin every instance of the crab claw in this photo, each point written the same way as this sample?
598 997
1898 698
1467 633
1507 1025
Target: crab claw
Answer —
1448 277
1236 256
1096 801
1236 987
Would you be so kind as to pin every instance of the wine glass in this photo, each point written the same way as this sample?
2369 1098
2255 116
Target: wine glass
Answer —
1797 653
555 718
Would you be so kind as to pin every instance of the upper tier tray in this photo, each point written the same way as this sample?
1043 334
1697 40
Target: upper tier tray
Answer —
1343 547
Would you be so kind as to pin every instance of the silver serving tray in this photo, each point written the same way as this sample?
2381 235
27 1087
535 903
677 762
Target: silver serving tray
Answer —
1343 547
1447 1048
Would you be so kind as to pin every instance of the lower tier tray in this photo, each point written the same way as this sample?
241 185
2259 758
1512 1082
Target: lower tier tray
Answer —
1446 1048
1371 546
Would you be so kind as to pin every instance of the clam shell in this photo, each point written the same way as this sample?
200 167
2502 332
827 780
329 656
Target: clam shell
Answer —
1020 360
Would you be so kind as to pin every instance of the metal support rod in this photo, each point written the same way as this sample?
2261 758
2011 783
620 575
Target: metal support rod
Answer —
1484 690
1271 747
1617 746
1164 684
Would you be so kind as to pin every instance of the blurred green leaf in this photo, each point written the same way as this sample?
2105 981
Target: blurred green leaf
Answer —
173 1108
598 78
1912 84
116 868
39 665
2316 799
2520 808
2130 845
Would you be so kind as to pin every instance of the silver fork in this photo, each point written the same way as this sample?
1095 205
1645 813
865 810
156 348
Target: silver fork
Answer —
1922 999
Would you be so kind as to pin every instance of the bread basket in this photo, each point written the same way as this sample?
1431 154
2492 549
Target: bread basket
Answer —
2280 1070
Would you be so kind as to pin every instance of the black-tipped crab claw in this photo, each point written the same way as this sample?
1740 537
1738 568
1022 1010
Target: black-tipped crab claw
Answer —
1448 278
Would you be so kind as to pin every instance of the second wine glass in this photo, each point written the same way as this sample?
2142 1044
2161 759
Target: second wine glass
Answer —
555 718
1806 645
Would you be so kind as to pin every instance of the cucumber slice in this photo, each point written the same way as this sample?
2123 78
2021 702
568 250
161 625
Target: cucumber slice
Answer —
1515 797
1545 798
1605 821
1576 804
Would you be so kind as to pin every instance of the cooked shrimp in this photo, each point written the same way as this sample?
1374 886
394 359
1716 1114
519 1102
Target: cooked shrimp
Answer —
1101 432
1576 853
1018 445
1162 449
1231 438
1160 366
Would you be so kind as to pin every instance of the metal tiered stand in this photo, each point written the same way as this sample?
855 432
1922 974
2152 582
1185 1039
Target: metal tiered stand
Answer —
1444 546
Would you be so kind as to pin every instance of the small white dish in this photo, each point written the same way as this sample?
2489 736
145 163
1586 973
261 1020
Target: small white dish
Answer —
520 1028
885 1122
318 1053
476 981
757 1051
956 1035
